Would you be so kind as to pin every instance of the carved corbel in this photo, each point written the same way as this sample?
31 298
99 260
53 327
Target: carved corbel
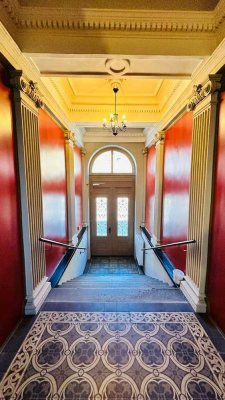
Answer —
30 88
83 152
145 151
69 137
200 92
160 137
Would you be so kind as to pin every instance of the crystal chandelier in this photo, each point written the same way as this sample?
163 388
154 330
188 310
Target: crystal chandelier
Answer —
114 124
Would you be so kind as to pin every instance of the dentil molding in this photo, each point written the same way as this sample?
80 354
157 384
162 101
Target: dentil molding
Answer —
31 17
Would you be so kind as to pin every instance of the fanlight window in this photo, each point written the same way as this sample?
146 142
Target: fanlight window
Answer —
112 162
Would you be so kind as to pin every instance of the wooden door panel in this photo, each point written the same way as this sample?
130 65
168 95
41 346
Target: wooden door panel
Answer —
100 217
115 236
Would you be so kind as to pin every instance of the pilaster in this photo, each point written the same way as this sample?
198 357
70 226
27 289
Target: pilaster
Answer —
159 145
26 102
144 153
70 181
204 105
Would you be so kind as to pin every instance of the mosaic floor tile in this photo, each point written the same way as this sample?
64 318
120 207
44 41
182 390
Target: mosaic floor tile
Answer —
115 356
113 265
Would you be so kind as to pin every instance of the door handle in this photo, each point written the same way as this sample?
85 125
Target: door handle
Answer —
109 229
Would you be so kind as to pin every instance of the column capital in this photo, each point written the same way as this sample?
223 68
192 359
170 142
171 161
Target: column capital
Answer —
29 88
144 151
83 151
200 92
160 137
69 137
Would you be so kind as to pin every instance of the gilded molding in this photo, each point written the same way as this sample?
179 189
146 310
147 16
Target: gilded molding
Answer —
30 88
200 92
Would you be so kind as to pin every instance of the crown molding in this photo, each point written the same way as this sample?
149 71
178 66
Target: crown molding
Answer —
201 75
107 137
33 17
15 57
107 109
59 92
108 132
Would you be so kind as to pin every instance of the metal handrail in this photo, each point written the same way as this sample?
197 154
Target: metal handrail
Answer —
68 246
170 245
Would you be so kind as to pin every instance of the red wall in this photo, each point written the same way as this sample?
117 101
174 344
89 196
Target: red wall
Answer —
78 188
53 171
216 278
150 189
11 264
177 162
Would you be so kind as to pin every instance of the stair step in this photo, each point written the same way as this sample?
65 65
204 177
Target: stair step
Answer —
146 295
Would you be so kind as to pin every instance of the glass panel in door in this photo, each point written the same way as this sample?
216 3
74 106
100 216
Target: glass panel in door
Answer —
122 216
101 216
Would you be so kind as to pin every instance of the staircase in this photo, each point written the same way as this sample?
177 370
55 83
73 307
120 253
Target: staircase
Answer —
111 288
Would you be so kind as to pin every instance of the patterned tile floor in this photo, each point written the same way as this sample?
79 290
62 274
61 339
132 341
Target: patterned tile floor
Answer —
112 265
115 356
113 351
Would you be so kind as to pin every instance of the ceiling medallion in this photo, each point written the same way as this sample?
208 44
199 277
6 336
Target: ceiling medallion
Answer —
117 66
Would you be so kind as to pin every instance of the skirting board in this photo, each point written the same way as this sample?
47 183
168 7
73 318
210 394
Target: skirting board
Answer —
35 302
198 303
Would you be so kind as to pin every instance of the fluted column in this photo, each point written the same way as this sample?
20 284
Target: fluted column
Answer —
26 102
159 145
144 153
70 181
205 127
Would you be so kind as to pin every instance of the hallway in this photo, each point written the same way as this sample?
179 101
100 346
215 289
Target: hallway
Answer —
112 159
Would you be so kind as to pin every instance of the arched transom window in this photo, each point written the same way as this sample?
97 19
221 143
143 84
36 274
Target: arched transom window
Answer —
112 162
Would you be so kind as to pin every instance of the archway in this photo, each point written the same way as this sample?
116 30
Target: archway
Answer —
112 189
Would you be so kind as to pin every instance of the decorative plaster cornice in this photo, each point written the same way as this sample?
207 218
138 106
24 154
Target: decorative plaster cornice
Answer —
210 66
62 18
13 54
108 133
29 88
60 93
202 91
111 19
126 108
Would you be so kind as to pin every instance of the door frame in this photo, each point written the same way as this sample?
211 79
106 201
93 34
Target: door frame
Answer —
136 150
120 179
